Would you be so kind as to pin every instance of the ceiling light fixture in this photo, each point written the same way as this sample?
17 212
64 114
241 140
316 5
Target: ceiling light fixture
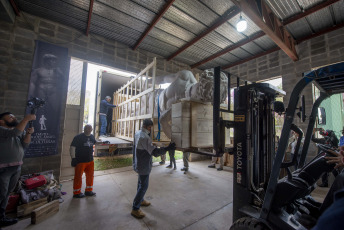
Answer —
241 25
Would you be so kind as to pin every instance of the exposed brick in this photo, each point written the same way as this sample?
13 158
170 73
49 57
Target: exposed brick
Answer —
80 42
109 49
22 56
46 25
4 52
5 44
50 33
122 53
17 86
318 51
64 30
64 37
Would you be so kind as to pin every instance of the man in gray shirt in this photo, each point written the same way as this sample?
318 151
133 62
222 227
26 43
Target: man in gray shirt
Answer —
143 150
13 141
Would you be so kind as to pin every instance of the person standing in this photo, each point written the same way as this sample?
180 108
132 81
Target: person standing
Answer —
13 141
143 150
104 105
186 156
213 163
81 151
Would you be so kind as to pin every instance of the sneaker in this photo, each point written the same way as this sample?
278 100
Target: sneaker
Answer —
8 221
219 169
211 166
80 195
145 203
175 168
137 213
184 169
90 193
169 166
162 162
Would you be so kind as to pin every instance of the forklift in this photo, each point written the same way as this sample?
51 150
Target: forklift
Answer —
261 199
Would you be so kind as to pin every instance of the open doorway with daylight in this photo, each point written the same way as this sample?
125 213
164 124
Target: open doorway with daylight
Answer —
100 83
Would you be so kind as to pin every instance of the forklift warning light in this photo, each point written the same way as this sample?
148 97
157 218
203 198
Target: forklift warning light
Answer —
239 118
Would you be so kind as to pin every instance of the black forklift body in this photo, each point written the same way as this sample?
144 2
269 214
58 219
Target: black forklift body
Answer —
257 191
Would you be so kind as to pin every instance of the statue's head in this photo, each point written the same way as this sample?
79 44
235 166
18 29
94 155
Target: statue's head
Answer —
206 87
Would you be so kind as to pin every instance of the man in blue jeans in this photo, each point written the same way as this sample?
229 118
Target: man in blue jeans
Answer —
143 150
104 105
13 141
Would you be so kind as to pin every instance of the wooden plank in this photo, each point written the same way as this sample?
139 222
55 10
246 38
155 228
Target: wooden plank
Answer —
201 111
182 140
202 125
42 213
181 124
139 75
202 139
137 96
181 109
26 209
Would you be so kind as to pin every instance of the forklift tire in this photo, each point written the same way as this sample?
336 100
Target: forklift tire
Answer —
248 223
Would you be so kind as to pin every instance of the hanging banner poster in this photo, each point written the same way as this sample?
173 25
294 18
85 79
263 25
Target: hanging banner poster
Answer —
47 93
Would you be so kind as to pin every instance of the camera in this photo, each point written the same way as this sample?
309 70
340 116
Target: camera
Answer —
35 103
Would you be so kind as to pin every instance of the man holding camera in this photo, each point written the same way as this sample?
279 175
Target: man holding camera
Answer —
13 141
143 150
81 151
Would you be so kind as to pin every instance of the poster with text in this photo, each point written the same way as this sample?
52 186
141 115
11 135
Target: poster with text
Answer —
47 93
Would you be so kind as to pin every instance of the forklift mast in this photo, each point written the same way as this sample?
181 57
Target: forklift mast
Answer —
254 144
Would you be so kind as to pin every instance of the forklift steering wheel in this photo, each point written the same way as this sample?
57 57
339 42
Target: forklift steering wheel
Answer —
326 149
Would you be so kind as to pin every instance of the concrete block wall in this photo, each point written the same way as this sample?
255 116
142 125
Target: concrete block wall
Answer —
17 44
319 51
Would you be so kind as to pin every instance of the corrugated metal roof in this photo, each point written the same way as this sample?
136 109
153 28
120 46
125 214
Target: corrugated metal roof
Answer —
338 9
126 20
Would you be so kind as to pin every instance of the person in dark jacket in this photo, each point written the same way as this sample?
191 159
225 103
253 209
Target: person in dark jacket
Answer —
143 150
104 105
81 151
13 141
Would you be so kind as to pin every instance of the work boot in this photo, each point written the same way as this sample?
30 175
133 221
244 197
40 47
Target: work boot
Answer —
219 169
90 193
211 166
162 162
184 169
7 221
137 213
80 195
169 166
145 203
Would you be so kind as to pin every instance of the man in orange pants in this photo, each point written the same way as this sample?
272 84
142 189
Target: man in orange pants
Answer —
81 151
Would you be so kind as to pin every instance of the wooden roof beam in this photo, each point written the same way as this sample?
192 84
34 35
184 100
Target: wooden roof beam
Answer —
15 7
155 21
269 23
224 18
89 17
309 11
251 58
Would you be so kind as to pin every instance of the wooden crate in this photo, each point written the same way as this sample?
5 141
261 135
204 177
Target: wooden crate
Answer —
201 125
181 125
42 213
26 209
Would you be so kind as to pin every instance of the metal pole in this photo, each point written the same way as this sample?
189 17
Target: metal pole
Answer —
216 110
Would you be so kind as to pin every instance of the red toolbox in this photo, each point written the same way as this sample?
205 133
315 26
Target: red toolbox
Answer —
12 203
35 182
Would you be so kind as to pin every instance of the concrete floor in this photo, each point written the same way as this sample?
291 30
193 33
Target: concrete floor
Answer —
200 199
